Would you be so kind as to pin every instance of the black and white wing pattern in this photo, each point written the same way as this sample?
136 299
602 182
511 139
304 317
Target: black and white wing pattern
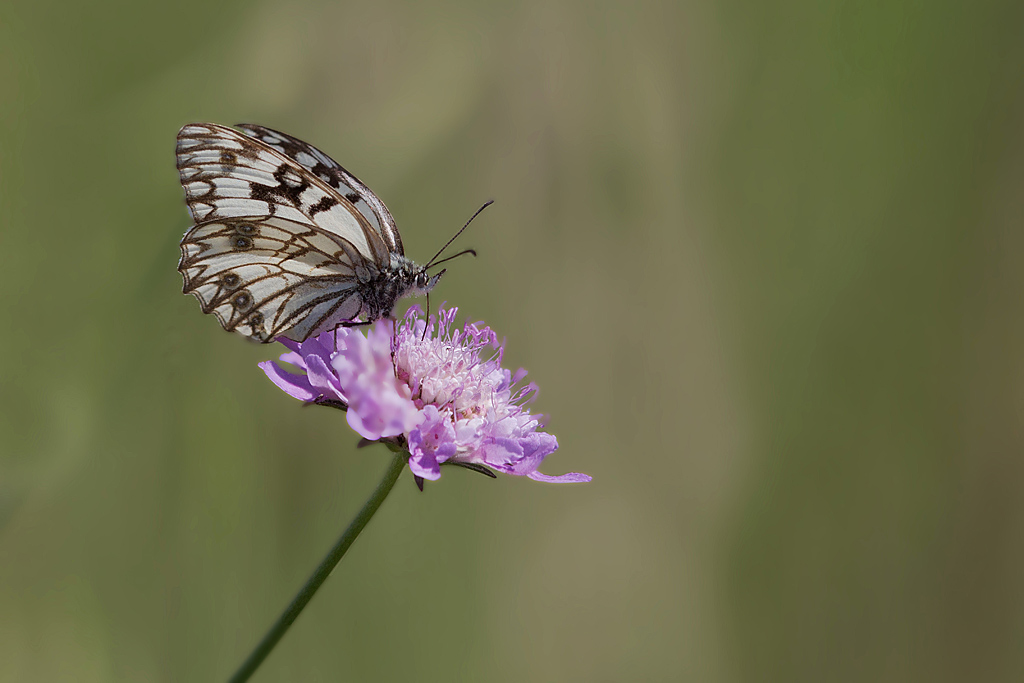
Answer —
285 241
329 171
267 276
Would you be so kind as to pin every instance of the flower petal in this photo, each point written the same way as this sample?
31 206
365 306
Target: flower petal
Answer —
295 385
424 464
536 446
322 379
570 478
431 443
293 358
375 414
289 344
502 454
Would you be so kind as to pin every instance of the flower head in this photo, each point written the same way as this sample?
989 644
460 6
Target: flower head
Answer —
440 388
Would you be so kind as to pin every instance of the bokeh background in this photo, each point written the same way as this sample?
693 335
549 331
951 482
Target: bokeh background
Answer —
764 260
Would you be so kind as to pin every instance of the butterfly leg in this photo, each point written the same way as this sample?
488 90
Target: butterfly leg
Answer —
330 402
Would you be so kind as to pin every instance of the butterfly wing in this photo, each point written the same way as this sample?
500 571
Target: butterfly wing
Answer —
275 250
331 172
227 174
269 276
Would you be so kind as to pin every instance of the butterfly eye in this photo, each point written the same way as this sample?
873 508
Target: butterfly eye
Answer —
242 301
241 242
231 280
256 319
245 229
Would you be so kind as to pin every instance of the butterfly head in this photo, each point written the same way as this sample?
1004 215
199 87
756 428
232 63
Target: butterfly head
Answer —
424 281
411 279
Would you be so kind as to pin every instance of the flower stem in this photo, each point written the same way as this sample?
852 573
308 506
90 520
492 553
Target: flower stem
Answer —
324 570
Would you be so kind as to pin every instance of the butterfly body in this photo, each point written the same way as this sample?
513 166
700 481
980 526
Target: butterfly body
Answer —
286 242
380 291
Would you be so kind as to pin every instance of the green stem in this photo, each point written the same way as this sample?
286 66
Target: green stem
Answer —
328 564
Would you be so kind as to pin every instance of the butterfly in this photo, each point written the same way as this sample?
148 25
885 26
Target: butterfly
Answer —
286 242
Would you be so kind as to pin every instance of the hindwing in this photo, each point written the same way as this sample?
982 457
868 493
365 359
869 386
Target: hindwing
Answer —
270 276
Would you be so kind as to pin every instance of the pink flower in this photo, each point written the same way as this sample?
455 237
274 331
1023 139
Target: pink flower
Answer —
440 390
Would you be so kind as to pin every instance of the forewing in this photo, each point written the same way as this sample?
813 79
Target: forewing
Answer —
269 276
227 174
332 173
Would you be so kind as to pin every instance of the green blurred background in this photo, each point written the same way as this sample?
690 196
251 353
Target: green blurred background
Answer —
764 260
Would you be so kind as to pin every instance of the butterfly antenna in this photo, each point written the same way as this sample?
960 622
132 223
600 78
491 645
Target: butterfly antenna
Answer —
461 253
486 204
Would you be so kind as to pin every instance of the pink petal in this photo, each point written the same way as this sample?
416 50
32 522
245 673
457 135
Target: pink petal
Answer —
295 385
570 478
